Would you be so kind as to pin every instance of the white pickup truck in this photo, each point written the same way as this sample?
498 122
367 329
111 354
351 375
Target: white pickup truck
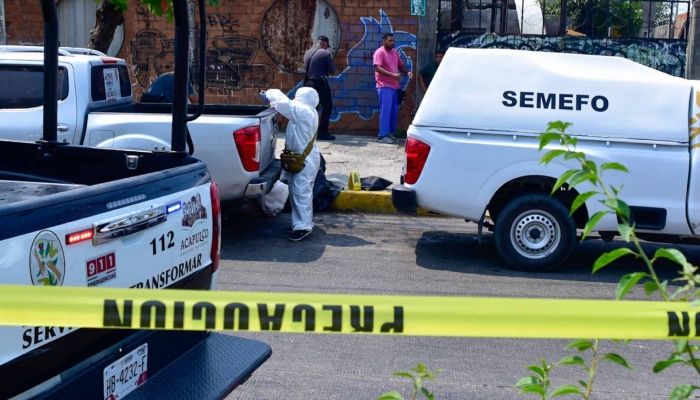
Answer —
236 142
473 148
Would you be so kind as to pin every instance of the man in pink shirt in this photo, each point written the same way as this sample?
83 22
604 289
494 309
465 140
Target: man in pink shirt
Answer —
387 64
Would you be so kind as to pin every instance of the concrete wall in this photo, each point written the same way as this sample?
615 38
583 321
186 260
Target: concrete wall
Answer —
259 44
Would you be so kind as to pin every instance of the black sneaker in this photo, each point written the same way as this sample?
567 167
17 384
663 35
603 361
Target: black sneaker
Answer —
290 230
386 140
299 235
325 136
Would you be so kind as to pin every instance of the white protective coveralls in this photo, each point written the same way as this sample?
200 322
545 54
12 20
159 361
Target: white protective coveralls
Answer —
303 123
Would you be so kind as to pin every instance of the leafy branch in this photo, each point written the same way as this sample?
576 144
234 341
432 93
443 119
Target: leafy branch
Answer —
418 376
540 383
588 172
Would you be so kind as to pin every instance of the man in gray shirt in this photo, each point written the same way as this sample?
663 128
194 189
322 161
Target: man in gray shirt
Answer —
319 65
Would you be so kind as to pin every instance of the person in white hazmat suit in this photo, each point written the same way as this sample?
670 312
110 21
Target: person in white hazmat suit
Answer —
303 123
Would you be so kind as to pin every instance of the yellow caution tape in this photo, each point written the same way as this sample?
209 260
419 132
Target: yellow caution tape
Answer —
331 313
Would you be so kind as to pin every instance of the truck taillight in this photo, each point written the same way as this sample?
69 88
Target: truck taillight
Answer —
416 155
216 219
248 145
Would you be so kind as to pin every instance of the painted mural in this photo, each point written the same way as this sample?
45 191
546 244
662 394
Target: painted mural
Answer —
354 90
229 59
666 55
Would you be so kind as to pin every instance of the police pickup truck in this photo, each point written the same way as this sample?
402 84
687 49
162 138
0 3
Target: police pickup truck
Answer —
473 147
96 217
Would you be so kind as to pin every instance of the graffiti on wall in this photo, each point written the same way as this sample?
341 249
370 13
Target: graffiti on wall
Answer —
151 50
229 60
354 90
665 55
229 64
227 22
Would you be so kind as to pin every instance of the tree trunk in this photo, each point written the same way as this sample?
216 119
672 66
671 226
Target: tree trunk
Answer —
107 19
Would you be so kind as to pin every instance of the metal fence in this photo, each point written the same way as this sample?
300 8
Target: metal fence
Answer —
652 19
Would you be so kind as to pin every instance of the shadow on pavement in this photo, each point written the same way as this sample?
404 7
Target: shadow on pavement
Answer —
460 252
355 142
266 239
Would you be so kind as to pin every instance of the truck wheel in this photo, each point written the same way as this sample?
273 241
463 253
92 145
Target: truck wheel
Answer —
534 232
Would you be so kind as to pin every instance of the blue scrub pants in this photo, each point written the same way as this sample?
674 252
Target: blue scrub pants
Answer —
388 110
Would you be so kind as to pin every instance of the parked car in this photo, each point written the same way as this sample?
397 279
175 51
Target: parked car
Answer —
473 148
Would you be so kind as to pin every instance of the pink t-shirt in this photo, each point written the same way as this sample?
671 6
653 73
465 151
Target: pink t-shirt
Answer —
390 61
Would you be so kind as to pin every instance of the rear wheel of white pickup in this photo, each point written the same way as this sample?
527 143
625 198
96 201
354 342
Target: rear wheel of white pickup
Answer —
534 232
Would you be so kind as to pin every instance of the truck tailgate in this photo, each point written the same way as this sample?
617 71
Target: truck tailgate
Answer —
145 126
152 231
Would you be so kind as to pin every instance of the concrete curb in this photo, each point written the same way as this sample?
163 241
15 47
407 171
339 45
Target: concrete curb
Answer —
373 202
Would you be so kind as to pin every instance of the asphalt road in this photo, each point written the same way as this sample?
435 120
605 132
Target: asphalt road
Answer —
394 254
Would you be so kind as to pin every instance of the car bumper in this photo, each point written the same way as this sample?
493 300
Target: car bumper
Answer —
261 185
404 199
179 363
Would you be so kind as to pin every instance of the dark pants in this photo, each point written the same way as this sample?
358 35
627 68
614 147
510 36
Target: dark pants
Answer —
325 101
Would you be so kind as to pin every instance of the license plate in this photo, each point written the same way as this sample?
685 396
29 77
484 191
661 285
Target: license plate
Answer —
125 375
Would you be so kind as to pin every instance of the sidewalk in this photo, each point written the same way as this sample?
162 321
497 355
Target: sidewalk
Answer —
358 153
368 157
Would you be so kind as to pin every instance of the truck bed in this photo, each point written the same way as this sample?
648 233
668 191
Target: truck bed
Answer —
147 126
77 165
209 109
16 191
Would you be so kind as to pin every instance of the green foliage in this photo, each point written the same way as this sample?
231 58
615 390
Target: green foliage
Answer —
589 174
418 376
682 392
549 7
594 17
540 383
607 258
156 7
662 16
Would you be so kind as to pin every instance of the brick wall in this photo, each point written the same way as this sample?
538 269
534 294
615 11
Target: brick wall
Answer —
23 22
259 44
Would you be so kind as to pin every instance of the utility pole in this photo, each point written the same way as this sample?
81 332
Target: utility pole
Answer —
3 31
427 42
692 69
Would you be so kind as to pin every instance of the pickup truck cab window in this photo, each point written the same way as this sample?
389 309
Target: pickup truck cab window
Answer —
21 86
97 81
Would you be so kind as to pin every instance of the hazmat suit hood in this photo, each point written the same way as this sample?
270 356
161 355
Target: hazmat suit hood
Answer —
307 96
301 130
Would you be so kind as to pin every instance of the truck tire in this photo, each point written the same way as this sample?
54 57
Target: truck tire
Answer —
534 232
